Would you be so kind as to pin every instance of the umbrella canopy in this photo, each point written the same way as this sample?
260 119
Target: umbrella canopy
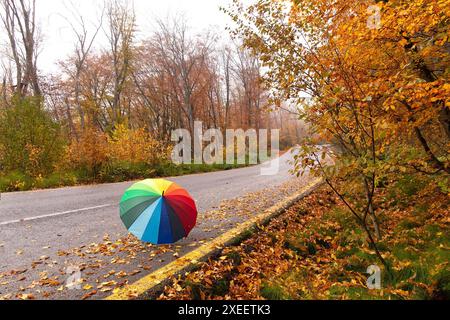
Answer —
158 211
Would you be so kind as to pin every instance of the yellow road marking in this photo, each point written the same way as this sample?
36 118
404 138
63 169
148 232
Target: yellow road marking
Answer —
154 279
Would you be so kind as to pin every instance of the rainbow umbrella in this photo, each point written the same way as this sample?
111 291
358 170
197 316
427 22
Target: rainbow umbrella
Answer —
158 211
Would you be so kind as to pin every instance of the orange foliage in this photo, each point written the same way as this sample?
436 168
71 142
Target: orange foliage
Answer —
89 152
135 146
34 159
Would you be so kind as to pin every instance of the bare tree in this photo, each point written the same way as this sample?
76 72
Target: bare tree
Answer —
120 32
6 79
226 60
19 21
83 46
184 57
246 69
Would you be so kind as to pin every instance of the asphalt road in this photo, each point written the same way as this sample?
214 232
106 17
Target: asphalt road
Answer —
60 219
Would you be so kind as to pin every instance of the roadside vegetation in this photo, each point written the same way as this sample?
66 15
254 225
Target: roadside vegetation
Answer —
316 250
374 81
35 155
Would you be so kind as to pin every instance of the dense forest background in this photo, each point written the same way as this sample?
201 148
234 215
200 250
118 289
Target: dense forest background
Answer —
108 112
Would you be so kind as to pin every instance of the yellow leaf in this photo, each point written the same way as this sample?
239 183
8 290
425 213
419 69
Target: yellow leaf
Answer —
87 287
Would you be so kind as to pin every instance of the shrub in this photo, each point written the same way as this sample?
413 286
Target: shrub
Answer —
15 181
135 146
31 142
88 153
117 171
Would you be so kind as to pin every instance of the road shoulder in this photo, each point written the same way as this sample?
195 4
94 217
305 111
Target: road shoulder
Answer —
156 280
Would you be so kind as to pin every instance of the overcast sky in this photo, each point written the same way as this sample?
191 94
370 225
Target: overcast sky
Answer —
58 39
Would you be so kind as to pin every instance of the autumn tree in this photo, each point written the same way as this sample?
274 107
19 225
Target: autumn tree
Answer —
76 64
247 70
370 77
183 58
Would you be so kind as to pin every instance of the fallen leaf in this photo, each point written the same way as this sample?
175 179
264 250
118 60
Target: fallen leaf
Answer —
88 295
23 296
87 287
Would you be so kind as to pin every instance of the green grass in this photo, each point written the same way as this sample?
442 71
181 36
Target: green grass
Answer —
271 291
244 235
15 181
417 253
235 257
221 287
116 172
110 172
